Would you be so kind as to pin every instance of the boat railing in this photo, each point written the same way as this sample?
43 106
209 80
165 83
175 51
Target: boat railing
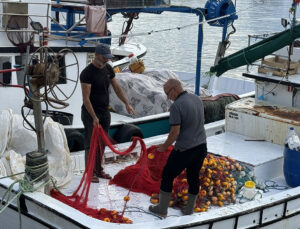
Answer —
258 37
118 4
21 11
73 28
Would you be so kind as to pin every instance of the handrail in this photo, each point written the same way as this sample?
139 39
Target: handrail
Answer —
21 2
30 15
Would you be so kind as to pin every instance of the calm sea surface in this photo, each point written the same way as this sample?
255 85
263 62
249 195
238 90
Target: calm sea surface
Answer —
176 49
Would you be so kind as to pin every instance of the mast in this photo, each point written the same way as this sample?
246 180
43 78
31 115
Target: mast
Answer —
291 46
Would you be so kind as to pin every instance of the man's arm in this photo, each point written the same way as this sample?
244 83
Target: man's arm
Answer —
86 91
173 135
121 95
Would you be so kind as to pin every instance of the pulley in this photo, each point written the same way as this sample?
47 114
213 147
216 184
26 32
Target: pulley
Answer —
219 8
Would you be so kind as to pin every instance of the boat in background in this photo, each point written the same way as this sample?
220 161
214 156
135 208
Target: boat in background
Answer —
64 27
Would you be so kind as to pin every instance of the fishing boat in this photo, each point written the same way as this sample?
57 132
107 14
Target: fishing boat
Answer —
64 27
253 143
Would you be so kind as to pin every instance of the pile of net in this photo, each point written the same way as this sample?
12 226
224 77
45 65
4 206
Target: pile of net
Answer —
79 198
145 92
145 175
214 106
218 184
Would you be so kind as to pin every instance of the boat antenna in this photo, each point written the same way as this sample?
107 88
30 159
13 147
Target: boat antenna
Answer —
292 10
129 25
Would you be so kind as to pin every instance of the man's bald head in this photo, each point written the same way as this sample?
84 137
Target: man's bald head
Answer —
173 88
172 83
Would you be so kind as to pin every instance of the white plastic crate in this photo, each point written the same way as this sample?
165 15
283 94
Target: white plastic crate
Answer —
261 121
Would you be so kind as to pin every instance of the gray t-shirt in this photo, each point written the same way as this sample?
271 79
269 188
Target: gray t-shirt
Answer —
188 112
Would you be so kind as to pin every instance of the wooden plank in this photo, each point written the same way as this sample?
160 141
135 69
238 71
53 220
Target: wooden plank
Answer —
277 62
276 72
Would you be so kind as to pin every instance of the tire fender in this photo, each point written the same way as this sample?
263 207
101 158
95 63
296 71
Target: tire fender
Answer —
75 140
126 132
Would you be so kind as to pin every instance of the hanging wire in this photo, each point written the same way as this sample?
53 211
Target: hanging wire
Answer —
26 120
169 29
271 91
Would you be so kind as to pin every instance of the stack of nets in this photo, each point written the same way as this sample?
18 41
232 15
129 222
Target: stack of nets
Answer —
218 185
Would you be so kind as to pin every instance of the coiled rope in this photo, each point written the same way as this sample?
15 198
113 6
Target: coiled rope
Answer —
36 177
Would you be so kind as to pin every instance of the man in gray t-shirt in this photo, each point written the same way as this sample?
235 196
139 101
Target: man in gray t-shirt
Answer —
187 129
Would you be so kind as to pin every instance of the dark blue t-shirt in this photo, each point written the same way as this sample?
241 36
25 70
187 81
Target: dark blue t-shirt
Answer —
100 80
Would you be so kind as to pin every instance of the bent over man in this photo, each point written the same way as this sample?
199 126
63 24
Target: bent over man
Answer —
187 129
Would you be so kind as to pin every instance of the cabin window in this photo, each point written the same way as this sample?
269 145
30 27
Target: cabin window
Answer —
5 77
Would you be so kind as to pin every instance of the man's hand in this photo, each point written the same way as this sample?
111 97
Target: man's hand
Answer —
130 109
162 148
96 121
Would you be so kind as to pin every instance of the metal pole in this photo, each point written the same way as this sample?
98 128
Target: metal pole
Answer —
39 129
38 120
249 41
291 46
199 52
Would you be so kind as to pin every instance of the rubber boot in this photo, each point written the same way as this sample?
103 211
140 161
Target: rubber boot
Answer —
189 208
162 208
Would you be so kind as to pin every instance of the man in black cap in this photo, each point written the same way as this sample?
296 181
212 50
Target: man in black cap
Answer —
95 80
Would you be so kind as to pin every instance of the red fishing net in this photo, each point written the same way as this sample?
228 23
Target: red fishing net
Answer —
218 185
79 198
145 175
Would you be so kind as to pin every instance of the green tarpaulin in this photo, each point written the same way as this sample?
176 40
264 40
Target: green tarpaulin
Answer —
257 51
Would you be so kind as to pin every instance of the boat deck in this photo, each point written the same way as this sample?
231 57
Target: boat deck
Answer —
263 157
111 197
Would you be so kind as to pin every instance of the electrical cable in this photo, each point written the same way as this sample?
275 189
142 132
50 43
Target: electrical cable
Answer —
167 29
26 120
270 184
140 210
16 86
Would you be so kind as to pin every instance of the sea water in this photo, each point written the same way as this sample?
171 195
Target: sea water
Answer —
177 49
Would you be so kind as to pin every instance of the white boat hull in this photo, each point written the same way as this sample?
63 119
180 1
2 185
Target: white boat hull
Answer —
277 211
281 210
